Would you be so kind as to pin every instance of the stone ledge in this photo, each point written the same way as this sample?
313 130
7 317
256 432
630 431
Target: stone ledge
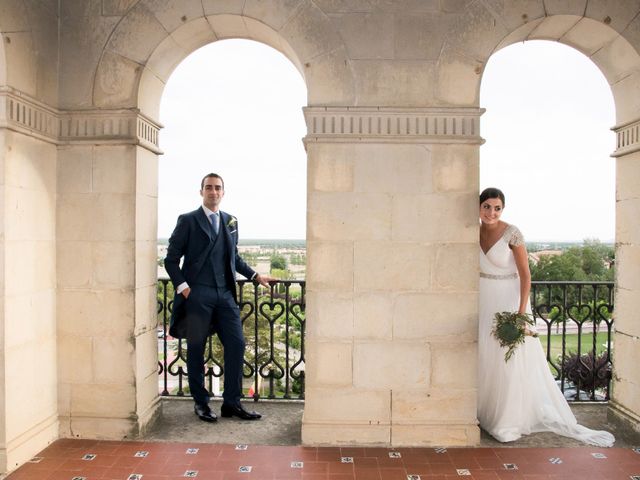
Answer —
393 125
21 113
627 138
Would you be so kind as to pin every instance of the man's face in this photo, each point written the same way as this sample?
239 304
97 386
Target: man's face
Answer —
212 193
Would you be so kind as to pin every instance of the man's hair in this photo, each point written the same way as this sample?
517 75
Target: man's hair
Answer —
210 175
491 192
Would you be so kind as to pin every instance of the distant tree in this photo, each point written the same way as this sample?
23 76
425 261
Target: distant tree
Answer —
591 261
278 262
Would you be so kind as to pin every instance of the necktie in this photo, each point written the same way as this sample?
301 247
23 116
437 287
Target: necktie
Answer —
215 222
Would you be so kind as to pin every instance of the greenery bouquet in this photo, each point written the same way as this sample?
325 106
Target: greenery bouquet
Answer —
510 329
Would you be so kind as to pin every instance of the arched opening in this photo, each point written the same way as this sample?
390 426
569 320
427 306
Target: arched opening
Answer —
234 107
547 124
549 110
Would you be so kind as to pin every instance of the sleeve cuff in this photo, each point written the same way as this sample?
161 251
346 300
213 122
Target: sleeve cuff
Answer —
182 287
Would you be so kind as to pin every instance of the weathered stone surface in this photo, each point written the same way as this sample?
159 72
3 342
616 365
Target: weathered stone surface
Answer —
380 264
420 36
329 78
455 168
435 435
173 15
627 172
115 83
628 230
516 14
616 13
436 316
329 265
214 7
373 316
554 28
361 34
456 267
627 103
627 261
330 167
275 13
429 406
394 82
393 169
137 35
348 216
333 363
626 308
589 36
333 315
565 7
452 367
395 365
351 407
626 389
310 33
475 32
457 79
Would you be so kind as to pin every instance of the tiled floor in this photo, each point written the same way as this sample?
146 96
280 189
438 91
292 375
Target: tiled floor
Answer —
82 459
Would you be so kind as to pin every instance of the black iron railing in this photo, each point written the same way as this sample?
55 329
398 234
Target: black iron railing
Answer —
575 320
273 321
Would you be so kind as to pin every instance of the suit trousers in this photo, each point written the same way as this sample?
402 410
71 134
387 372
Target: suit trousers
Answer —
211 309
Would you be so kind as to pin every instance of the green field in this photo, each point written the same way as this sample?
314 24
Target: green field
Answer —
571 344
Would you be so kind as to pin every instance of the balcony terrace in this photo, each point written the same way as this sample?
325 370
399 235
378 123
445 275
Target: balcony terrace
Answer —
179 445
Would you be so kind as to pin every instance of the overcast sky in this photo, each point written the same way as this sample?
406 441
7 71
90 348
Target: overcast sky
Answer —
234 107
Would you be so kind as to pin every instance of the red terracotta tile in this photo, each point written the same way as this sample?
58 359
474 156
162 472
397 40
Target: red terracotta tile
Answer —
480 475
365 462
316 467
419 469
342 468
339 476
314 476
443 469
367 474
352 452
393 474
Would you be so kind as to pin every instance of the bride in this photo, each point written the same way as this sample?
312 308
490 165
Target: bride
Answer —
520 396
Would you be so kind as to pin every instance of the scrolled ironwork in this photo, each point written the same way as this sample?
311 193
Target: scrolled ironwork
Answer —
273 320
580 312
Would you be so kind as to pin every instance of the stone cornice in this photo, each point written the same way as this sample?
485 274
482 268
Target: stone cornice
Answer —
627 138
21 113
393 125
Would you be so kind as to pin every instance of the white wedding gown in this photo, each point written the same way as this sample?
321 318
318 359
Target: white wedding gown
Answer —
520 396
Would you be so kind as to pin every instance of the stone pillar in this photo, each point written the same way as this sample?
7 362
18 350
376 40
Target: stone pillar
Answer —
106 247
624 407
28 380
391 276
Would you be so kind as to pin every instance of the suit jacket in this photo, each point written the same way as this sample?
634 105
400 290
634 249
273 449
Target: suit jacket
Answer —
191 239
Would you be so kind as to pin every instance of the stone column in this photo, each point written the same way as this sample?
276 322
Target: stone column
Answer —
28 380
624 407
106 247
392 276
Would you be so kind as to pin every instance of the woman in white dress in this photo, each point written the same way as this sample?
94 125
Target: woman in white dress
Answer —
520 396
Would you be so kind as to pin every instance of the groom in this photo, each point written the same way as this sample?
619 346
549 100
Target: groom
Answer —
205 300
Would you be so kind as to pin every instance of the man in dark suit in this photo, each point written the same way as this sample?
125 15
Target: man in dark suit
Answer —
205 300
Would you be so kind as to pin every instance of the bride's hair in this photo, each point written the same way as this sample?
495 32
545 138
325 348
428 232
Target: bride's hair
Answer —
492 193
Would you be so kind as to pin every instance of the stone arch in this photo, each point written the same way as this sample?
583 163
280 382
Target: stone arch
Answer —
608 34
603 32
150 41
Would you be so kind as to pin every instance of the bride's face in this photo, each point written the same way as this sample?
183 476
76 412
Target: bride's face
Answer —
490 211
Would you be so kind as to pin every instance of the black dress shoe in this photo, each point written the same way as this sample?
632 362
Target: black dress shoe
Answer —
204 413
237 411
